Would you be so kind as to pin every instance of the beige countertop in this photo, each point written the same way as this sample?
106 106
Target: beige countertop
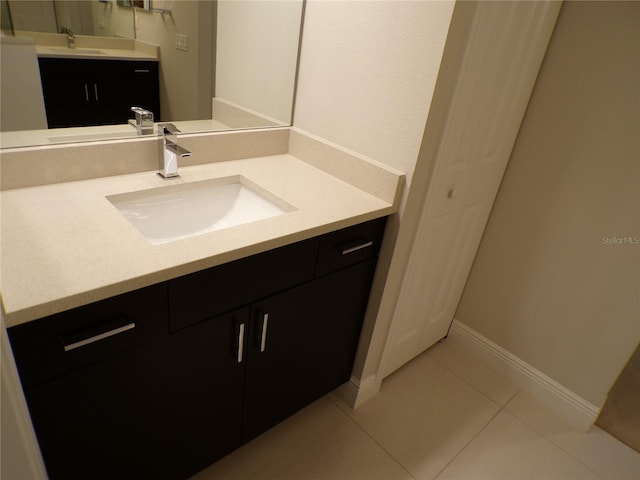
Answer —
48 51
54 45
64 245
53 136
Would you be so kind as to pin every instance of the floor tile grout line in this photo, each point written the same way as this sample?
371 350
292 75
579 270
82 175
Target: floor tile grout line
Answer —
352 420
441 363
551 441
548 440
469 442
503 408
500 409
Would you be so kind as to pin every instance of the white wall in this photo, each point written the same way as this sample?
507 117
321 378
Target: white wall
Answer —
182 73
257 51
33 15
367 74
49 16
549 283
111 20
76 15
21 99
366 81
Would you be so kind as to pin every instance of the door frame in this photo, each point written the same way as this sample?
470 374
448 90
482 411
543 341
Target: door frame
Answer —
469 18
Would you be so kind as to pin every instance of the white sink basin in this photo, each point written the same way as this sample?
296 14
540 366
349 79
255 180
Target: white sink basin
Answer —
174 212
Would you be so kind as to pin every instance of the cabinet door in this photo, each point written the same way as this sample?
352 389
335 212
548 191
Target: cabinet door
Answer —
142 79
120 85
163 411
67 90
208 367
108 420
302 345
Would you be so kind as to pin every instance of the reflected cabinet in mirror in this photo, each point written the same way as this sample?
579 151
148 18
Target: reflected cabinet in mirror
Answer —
72 70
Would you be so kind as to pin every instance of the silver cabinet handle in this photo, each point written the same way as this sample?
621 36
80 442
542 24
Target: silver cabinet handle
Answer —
95 90
263 339
86 92
141 70
101 336
240 343
345 251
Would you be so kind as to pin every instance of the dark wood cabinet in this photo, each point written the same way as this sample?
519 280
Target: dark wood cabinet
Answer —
210 292
302 345
162 382
96 383
164 410
108 420
53 346
81 92
207 376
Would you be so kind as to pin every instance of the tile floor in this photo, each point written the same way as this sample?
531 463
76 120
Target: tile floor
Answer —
442 416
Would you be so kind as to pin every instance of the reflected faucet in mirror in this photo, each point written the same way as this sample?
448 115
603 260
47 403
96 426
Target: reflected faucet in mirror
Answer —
143 121
71 39
237 74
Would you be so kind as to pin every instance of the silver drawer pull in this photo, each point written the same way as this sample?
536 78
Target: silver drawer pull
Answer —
141 71
240 342
263 340
356 248
101 336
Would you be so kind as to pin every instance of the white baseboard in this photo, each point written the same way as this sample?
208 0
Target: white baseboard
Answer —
523 375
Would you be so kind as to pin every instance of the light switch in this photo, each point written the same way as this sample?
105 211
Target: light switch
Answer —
182 42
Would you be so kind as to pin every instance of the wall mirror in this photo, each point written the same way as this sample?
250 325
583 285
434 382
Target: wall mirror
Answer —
222 64
82 16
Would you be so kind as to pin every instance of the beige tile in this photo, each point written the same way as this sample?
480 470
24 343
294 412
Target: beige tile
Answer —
424 415
496 387
320 442
509 449
595 448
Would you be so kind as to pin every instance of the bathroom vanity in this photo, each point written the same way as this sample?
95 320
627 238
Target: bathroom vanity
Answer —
143 360
163 381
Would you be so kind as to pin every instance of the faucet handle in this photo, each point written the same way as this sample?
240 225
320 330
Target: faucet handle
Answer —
168 128
142 114
140 110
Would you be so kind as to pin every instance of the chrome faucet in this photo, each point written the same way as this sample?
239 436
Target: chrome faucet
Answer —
143 121
71 38
171 151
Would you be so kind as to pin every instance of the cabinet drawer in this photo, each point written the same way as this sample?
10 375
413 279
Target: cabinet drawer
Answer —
208 293
69 340
349 246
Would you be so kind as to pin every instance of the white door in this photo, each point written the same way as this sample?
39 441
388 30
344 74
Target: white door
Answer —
504 52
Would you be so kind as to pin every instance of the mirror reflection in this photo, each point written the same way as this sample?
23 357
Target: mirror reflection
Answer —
100 18
73 70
